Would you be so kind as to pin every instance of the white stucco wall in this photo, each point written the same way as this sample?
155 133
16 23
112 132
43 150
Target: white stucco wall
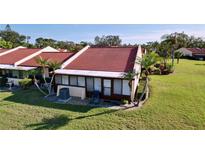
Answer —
137 69
14 80
74 91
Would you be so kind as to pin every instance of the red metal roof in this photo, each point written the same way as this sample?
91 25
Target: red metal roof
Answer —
116 59
52 56
2 50
197 50
16 55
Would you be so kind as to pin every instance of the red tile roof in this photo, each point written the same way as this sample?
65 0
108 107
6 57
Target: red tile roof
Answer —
2 50
16 55
105 59
52 56
197 50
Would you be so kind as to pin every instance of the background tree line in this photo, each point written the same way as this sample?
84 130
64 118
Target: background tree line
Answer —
11 39
169 42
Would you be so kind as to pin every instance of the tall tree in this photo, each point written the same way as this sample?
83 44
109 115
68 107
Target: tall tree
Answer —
44 42
8 27
5 45
109 40
13 37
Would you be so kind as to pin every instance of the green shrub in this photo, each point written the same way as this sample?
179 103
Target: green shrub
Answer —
124 101
3 81
25 83
170 68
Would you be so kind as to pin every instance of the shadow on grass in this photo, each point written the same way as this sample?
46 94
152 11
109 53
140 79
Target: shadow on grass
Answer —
200 64
52 123
35 98
62 120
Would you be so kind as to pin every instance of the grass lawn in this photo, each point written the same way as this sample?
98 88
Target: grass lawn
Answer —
177 102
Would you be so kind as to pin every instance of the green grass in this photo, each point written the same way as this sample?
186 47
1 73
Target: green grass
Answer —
177 102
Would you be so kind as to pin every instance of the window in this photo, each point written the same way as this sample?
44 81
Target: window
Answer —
3 72
126 88
15 74
73 80
65 79
107 87
90 84
21 74
97 84
117 86
58 79
81 81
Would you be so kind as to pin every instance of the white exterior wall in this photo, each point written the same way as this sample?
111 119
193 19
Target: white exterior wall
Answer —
74 91
14 80
137 69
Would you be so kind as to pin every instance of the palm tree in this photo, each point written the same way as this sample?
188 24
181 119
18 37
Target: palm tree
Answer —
130 76
147 61
54 66
44 64
34 73
178 56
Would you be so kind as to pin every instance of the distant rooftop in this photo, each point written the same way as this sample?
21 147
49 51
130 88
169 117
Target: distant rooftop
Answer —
14 56
52 56
197 50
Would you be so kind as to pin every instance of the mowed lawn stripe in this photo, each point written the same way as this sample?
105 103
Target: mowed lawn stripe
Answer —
177 101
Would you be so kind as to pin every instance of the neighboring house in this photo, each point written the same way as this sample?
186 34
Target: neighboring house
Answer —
14 63
100 69
59 57
196 53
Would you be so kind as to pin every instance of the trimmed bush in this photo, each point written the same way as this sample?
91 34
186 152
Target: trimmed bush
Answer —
25 83
170 68
124 101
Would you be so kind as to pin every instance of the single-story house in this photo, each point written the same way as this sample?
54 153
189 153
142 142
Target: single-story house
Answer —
100 69
195 53
14 63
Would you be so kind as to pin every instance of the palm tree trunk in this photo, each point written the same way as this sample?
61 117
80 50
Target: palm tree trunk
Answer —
44 78
50 85
36 84
145 89
130 86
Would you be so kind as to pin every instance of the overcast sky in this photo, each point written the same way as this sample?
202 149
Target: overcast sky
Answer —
128 33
